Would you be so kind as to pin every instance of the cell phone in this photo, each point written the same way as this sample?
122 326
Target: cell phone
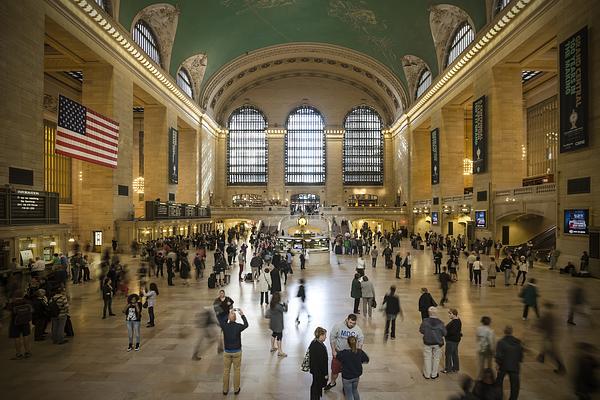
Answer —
236 309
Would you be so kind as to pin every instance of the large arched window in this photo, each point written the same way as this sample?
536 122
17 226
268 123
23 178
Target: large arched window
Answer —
363 147
305 147
146 39
500 4
247 147
461 39
184 81
424 82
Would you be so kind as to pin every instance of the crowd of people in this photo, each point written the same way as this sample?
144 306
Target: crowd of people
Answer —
45 302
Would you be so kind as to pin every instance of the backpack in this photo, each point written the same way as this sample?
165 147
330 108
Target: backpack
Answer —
53 308
22 313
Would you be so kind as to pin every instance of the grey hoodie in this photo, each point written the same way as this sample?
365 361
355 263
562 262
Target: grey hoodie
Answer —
433 331
340 334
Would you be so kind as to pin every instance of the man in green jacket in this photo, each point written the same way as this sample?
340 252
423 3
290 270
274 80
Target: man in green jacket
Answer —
529 294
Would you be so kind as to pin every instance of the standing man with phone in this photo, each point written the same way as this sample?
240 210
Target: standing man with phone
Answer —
232 340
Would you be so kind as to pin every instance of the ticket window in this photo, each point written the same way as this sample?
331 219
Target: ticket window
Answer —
97 241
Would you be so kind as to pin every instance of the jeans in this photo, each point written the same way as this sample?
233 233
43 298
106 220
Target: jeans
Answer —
356 304
390 320
107 305
484 361
58 328
228 360
86 273
373 262
316 388
507 277
159 270
367 306
133 327
151 315
526 310
266 297
407 271
519 274
514 382
351 389
470 272
444 296
477 276
431 360
75 274
452 364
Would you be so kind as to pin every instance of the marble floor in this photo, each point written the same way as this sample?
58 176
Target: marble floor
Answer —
95 365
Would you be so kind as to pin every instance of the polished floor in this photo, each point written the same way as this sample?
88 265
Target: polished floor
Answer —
95 365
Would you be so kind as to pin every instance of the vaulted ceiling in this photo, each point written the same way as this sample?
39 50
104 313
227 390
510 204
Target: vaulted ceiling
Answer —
223 30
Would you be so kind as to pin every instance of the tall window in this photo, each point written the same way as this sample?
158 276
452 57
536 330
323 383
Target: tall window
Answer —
57 168
305 147
145 38
184 81
542 137
247 147
105 5
424 82
363 147
500 4
462 38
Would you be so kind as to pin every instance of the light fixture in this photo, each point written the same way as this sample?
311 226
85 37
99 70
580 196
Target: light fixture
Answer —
71 239
138 185
53 243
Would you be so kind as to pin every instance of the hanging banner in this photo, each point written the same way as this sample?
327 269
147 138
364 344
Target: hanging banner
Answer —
479 136
435 156
574 92
173 155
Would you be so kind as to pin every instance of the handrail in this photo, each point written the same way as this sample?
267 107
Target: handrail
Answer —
527 190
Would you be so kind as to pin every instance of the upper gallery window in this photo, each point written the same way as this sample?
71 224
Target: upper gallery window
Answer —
462 38
500 4
363 147
105 5
305 147
247 147
424 82
184 81
145 38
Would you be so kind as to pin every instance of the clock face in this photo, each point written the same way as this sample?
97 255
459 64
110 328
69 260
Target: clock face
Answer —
301 221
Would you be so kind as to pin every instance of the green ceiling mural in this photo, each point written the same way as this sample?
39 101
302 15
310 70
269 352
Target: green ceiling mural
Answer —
225 29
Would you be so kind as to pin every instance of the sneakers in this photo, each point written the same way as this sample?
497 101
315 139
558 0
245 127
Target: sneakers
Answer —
130 347
329 386
137 347
237 391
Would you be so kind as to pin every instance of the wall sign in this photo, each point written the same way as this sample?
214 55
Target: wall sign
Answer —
574 92
577 221
435 156
435 218
97 238
479 136
173 155
480 219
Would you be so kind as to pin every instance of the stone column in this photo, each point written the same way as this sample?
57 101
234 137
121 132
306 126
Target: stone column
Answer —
188 166
420 165
108 91
276 169
22 88
157 121
334 180
208 164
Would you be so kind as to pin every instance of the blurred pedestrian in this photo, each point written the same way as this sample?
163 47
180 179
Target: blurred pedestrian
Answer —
548 327
509 356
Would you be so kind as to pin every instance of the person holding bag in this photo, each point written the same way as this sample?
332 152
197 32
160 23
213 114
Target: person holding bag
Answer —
150 302
317 360
368 295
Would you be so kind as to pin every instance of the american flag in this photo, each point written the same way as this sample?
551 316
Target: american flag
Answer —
85 134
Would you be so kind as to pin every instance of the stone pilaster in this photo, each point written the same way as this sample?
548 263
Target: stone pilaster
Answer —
188 166
157 121
22 88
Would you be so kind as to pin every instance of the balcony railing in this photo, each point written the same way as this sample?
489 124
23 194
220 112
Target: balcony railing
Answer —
526 191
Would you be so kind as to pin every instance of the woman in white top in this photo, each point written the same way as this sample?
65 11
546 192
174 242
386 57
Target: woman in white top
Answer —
477 267
264 285
151 300
523 269
360 266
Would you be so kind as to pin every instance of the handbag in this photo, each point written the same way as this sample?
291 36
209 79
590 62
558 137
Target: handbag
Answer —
145 305
305 367
373 303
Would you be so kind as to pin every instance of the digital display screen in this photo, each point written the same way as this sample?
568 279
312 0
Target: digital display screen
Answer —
480 219
435 218
577 221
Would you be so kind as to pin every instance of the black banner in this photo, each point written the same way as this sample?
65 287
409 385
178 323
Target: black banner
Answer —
479 136
574 92
435 156
173 155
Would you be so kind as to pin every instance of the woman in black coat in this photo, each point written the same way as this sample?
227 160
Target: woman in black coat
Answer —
392 309
317 353
275 280
425 301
